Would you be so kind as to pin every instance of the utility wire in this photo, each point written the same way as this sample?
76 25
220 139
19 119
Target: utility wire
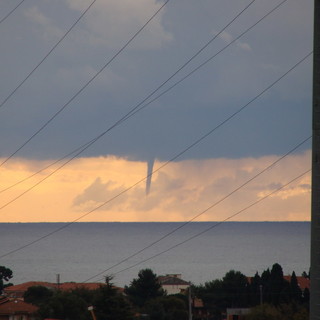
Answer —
141 180
140 106
10 12
86 85
167 162
136 108
43 169
212 57
215 225
201 213
46 56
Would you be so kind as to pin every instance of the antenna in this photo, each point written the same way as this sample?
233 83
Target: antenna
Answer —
58 281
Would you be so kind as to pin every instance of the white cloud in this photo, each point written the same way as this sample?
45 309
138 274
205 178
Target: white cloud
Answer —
48 28
227 38
99 194
109 23
243 45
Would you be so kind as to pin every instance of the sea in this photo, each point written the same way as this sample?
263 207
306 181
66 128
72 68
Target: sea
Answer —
199 251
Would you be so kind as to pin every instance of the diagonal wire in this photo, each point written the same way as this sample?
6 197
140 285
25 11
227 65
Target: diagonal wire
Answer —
211 58
167 162
141 180
47 55
45 168
87 84
140 106
214 225
10 12
201 213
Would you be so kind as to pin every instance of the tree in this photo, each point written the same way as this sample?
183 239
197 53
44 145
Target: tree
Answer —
264 312
175 308
306 296
107 301
144 288
282 312
279 289
235 286
110 304
296 293
64 305
213 296
255 288
231 291
5 275
306 275
37 295
167 308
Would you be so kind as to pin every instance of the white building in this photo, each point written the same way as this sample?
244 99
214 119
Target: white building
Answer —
173 284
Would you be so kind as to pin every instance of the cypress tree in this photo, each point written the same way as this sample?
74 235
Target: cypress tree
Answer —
296 293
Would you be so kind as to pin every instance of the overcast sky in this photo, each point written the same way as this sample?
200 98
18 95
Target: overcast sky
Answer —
268 128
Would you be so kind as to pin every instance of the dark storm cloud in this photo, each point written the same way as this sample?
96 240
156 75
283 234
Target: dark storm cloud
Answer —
280 118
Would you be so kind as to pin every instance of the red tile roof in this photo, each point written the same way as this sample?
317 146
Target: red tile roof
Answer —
16 306
169 280
63 286
24 286
302 281
19 289
73 285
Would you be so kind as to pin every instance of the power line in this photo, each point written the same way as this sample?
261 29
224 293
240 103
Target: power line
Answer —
167 162
47 55
41 170
140 105
215 225
212 57
143 179
135 109
201 213
10 12
87 84
159 87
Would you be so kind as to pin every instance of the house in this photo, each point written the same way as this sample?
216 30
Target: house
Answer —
303 283
18 291
173 284
16 309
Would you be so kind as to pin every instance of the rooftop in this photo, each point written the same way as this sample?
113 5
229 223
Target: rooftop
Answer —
16 306
172 280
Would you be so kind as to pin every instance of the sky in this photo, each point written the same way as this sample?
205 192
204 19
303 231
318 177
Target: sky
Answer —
115 57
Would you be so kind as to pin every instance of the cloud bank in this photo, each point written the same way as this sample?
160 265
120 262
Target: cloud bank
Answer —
101 189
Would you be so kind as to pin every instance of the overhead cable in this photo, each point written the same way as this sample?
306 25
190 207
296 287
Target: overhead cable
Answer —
143 179
10 12
86 85
47 55
141 105
209 59
167 162
201 213
214 225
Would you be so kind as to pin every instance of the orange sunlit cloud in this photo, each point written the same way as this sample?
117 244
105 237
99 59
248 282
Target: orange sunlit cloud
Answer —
103 189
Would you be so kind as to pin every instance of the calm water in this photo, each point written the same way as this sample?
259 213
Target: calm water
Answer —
83 250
